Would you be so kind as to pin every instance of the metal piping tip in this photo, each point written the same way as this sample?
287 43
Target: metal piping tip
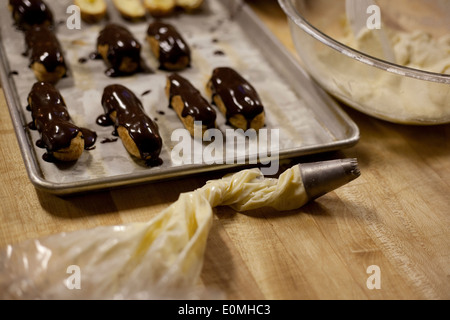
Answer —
321 178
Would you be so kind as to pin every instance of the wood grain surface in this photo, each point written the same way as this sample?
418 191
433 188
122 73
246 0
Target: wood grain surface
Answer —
395 216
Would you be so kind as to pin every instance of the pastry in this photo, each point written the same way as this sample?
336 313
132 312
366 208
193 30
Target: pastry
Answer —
27 13
45 53
236 99
159 8
189 104
168 46
130 9
119 50
92 11
139 134
63 140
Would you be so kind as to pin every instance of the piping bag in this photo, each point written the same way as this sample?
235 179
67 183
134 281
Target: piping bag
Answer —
160 259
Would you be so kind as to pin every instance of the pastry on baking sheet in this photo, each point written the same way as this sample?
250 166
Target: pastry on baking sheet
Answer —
139 134
45 53
130 9
159 8
168 46
120 50
63 140
189 104
27 13
236 98
92 11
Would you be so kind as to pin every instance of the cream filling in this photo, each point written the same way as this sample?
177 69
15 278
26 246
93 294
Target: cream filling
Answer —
384 94
418 50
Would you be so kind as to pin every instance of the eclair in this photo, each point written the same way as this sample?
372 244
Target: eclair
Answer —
119 50
63 140
139 134
92 11
130 9
28 13
45 53
189 104
160 8
168 46
236 98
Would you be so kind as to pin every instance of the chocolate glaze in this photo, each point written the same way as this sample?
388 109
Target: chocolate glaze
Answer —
237 94
194 103
104 120
51 118
44 47
90 137
146 92
28 13
172 46
121 44
130 114
109 140
58 135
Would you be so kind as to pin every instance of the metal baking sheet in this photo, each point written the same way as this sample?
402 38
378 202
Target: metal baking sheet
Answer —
223 33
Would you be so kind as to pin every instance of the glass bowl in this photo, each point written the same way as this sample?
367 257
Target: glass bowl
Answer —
415 89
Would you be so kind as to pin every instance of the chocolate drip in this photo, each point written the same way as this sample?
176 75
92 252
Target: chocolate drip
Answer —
108 140
146 92
194 104
120 44
172 46
130 114
27 13
46 105
51 118
44 47
238 96
90 137
104 120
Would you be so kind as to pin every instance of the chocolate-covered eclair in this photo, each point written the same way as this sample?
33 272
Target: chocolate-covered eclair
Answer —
45 53
27 13
120 51
139 134
63 140
168 46
189 104
236 98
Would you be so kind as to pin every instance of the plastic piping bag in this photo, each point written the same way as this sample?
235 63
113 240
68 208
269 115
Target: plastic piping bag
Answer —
160 259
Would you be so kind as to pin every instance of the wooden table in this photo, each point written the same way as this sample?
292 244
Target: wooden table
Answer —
395 216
